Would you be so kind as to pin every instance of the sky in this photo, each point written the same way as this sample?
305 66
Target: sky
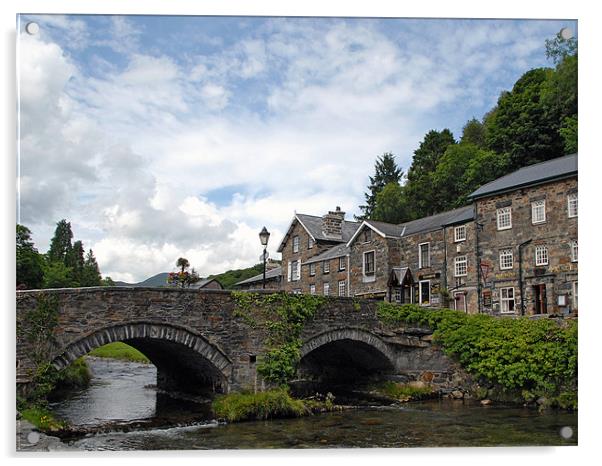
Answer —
163 137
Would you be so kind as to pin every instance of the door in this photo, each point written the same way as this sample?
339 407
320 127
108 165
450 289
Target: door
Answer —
541 306
460 301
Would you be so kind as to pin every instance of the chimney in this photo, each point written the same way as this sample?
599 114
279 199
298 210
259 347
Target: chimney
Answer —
332 224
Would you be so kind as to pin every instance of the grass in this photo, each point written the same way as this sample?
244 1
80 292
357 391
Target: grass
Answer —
119 350
276 403
75 375
42 419
405 392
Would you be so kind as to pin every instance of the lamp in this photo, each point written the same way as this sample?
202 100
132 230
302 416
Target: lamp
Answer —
264 236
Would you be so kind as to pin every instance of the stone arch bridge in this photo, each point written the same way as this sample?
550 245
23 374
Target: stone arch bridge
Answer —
200 344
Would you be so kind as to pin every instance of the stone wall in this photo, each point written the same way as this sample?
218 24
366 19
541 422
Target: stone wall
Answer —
556 233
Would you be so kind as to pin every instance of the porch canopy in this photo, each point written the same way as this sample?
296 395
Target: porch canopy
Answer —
400 276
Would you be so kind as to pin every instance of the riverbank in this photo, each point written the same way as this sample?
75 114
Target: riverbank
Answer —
30 439
121 351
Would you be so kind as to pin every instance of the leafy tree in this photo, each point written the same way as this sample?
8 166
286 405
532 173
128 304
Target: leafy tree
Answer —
521 126
60 244
183 278
419 189
385 171
568 131
182 263
391 204
473 133
57 275
90 271
74 259
30 263
559 48
107 281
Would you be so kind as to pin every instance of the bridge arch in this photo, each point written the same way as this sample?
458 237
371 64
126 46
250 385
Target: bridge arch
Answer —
345 353
185 360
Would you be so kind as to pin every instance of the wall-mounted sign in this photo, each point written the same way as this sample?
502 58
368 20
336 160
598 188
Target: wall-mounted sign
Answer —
427 276
435 288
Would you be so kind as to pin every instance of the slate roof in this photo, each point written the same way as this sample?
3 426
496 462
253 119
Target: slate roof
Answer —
339 250
434 222
388 229
269 274
313 224
561 167
204 283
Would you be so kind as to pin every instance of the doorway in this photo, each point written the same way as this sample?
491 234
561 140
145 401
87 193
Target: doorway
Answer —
541 306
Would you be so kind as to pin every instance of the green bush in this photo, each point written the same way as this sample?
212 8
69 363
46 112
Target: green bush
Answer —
275 403
538 357
75 375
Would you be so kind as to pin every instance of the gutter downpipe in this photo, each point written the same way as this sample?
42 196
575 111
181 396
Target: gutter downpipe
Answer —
520 275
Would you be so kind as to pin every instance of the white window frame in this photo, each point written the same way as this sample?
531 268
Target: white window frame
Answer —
504 254
312 288
312 269
503 211
428 255
342 263
505 301
457 236
295 244
541 255
310 242
538 212
326 266
572 205
295 271
343 285
326 289
420 285
574 251
364 272
458 262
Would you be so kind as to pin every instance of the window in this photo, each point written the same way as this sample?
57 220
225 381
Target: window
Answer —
538 211
342 288
295 244
342 263
312 289
460 266
507 300
424 255
425 292
574 251
326 289
297 291
506 259
326 267
572 205
312 269
541 255
460 233
369 263
367 236
575 295
397 297
295 275
310 242
504 218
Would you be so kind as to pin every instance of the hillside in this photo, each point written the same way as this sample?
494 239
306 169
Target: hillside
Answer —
156 280
229 278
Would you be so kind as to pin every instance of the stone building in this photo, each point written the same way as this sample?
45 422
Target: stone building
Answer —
527 240
309 236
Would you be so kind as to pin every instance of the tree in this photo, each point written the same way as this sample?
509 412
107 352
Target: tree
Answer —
57 275
107 281
473 133
183 278
391 204
385 171
419 189
74 259
521 125
568 131
60 244
30 272
90 271
559 48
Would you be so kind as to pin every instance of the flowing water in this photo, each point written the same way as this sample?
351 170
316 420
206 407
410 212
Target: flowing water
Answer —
122 392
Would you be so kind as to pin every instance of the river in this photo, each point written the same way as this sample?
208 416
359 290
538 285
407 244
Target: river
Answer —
122 392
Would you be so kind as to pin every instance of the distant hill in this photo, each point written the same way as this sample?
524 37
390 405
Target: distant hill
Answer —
156 280
229 278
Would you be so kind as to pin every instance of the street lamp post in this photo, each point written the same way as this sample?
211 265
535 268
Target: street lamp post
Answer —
264 237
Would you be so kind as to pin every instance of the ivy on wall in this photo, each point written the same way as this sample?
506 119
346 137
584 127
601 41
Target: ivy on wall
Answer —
283 316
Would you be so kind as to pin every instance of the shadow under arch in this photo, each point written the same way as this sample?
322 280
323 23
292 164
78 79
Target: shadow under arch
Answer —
345 354
185 361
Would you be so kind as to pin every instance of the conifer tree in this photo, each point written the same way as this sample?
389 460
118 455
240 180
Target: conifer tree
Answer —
90 272
385 171
60 244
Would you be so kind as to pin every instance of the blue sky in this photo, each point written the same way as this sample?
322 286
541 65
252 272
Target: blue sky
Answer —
159 137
